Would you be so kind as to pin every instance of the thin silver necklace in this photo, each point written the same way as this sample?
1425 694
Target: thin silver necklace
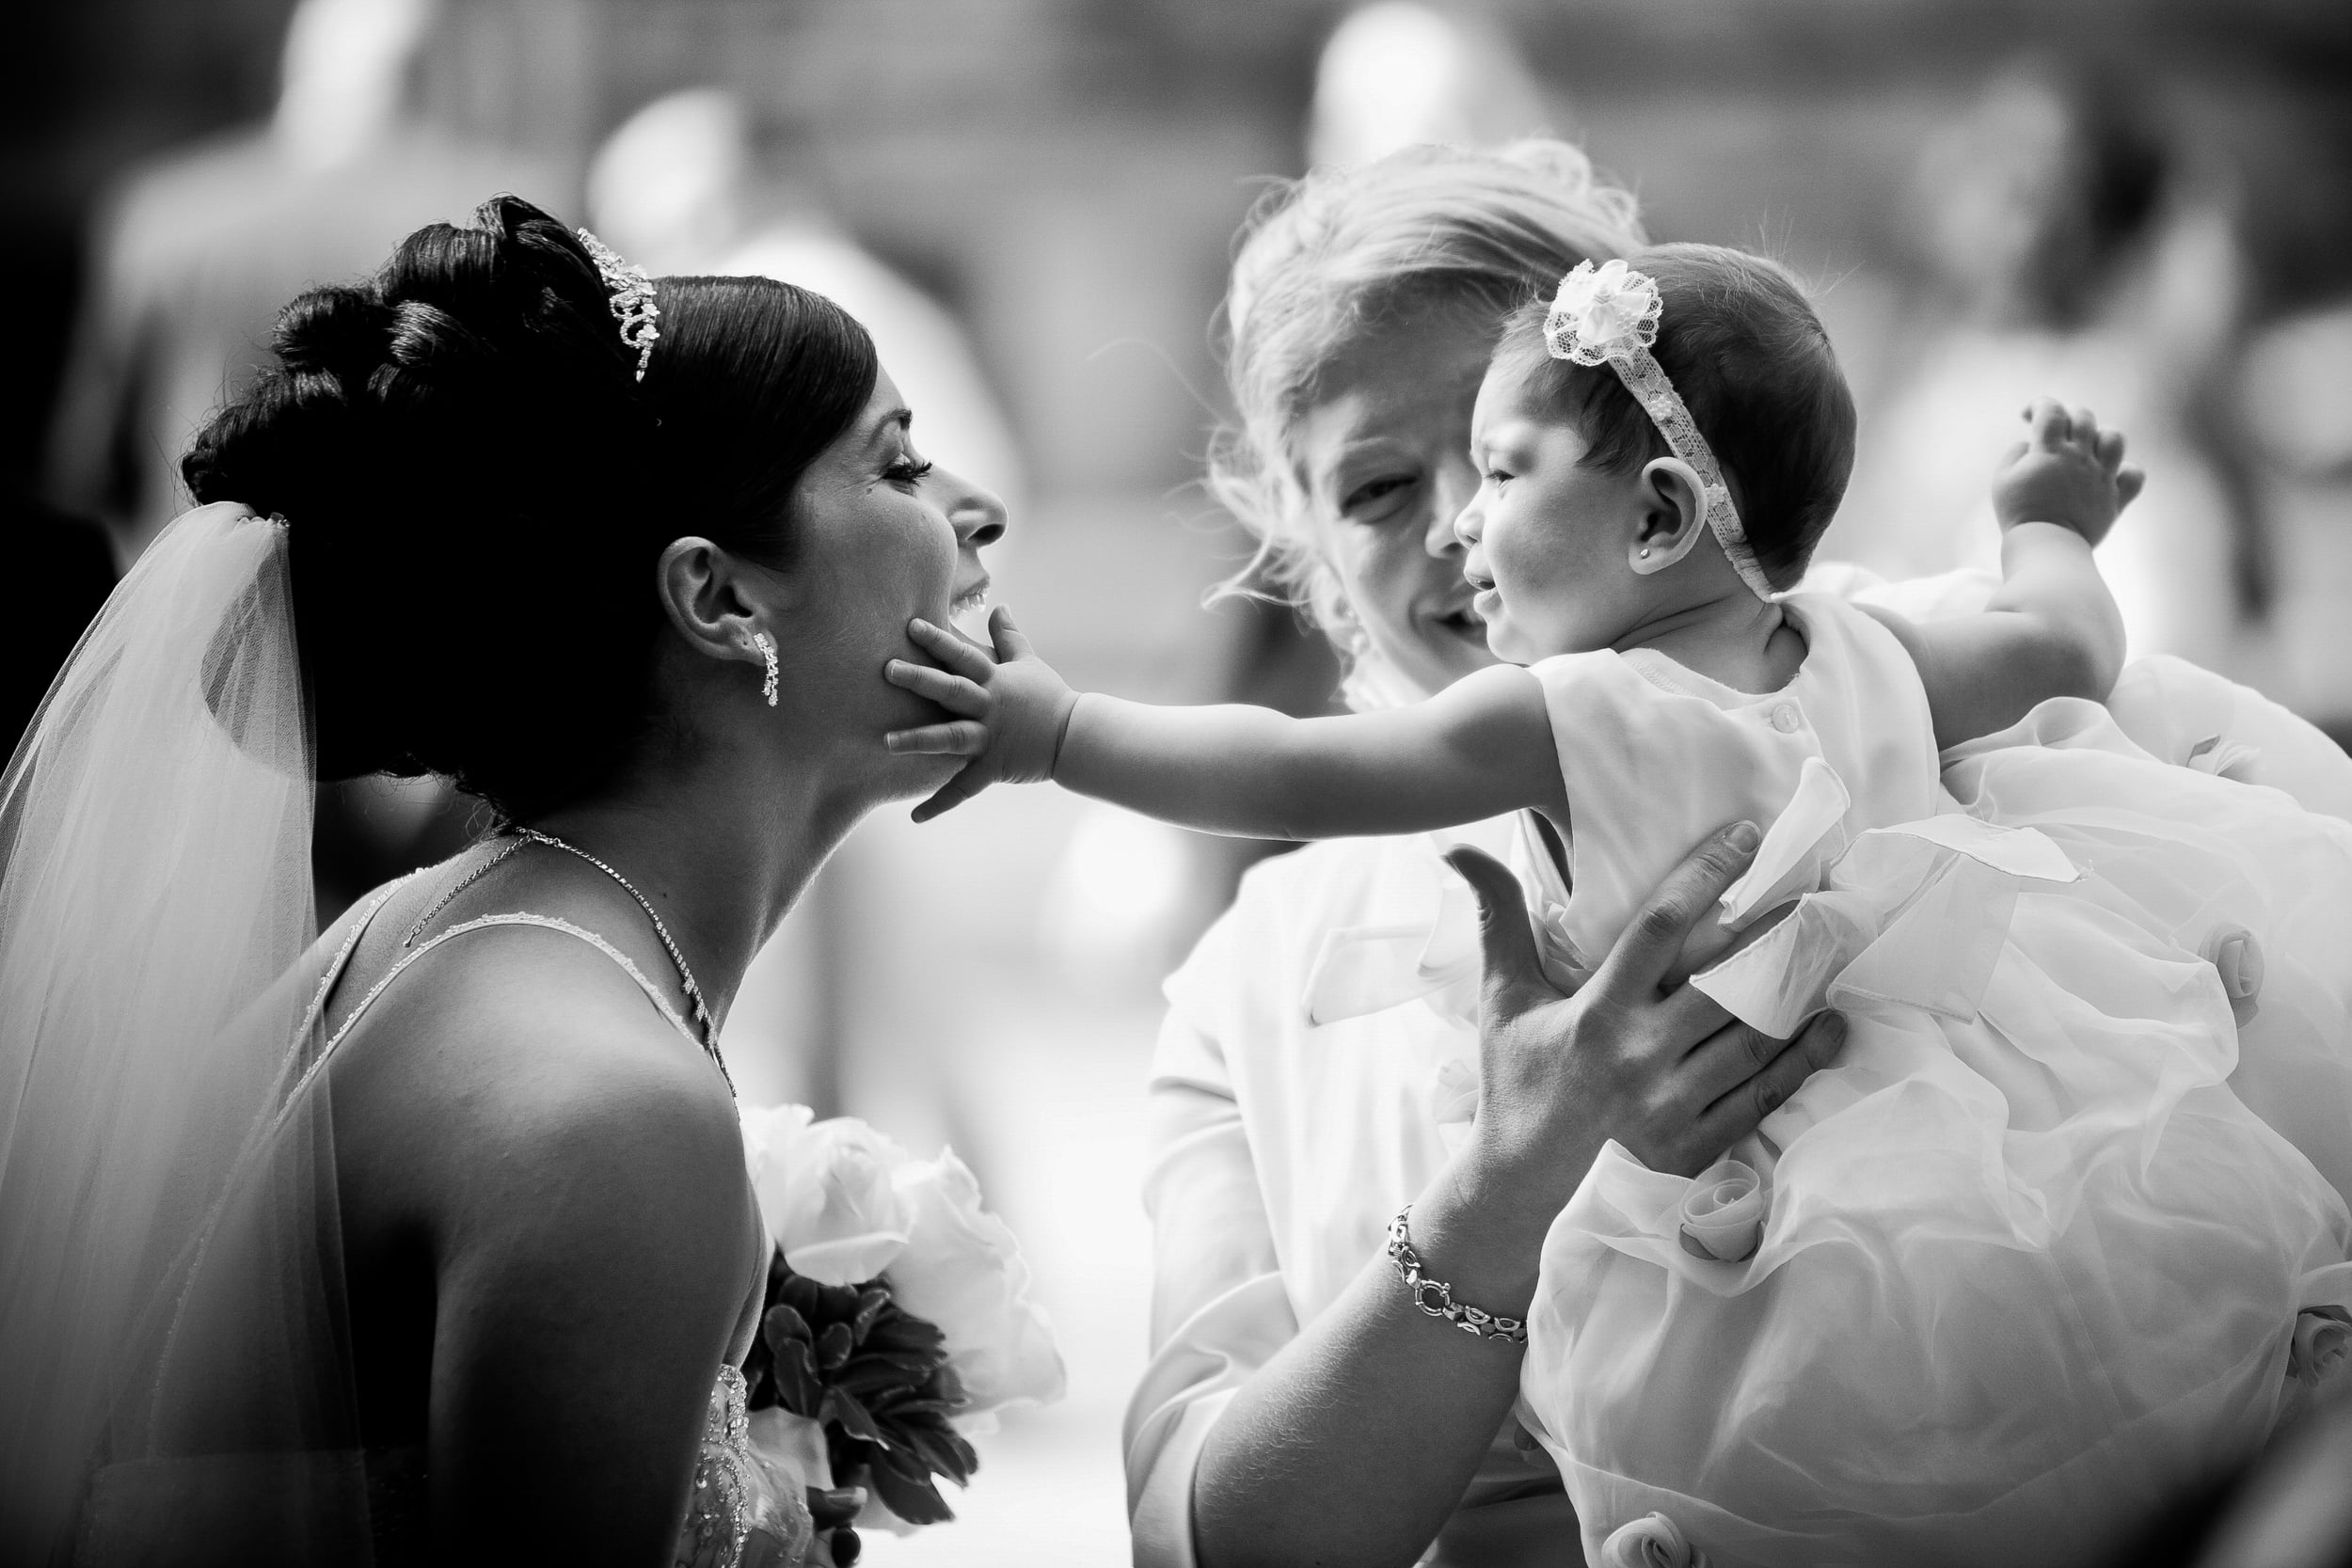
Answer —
505 851
525 837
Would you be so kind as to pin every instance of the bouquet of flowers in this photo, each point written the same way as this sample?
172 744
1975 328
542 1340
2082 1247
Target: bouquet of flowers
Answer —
898 1320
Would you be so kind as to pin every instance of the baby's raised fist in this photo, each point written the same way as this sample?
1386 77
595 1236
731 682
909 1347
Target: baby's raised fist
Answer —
2068 471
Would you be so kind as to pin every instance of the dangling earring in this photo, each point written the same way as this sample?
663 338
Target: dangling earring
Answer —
766 646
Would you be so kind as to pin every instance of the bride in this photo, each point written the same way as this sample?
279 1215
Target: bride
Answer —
431 1238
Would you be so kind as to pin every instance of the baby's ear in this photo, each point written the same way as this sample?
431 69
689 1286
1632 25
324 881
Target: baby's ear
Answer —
1673 515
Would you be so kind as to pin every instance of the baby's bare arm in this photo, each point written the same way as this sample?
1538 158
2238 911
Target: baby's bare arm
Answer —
1481 748
2052 629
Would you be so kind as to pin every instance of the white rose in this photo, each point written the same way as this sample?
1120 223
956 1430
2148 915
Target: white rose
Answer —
963 1271
1650 1541
1722 1214
826 1192
769 1134
2323 1345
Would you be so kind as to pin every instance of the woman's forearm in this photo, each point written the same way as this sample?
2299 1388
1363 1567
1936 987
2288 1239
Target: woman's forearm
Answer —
1354 1444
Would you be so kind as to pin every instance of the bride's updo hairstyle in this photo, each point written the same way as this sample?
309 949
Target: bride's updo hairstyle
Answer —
478 489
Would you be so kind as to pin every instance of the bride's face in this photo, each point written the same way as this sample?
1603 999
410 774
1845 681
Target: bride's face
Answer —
881 536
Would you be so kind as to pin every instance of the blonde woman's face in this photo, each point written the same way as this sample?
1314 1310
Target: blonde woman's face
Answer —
1384 452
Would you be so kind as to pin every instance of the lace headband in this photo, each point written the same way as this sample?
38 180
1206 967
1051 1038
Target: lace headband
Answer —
1608 315
633 299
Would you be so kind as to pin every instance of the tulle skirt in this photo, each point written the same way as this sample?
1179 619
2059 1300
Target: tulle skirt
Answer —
2047 1245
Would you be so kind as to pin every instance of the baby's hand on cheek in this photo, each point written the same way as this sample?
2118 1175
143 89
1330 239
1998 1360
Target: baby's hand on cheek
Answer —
1011 708
2068 472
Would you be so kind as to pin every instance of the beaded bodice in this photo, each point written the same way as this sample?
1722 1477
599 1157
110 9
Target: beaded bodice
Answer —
719 1511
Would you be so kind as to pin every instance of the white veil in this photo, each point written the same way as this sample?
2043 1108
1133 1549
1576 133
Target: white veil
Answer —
172 1341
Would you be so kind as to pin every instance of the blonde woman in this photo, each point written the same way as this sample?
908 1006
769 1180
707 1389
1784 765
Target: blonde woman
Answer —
1300 1405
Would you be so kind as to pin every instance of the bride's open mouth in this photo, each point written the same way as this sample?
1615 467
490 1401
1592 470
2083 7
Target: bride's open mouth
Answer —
968 611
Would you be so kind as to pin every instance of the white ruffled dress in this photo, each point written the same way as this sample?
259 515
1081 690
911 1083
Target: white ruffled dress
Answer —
2037 1250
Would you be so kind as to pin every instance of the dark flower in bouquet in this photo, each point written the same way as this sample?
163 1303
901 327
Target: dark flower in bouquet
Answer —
879 1381
899 1319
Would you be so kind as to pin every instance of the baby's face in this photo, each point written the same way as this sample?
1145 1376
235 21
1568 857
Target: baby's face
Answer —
1548 538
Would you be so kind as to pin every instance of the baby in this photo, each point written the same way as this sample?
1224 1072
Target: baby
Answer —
2022 1260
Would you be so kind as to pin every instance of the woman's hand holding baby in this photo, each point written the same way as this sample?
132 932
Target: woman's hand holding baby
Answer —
1635 1056
2068 471
1011 708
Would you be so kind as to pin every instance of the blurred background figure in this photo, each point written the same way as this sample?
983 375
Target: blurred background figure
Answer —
195 252
673 187
689 184
192 259
2295 391
1396 73
2074 248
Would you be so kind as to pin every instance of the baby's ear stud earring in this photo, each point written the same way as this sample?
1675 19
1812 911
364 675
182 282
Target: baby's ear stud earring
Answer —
1645 552
766 646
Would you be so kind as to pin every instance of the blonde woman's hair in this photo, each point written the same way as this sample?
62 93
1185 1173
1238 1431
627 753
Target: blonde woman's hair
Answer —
1323 258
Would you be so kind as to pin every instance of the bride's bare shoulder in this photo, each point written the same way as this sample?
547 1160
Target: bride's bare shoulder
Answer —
521 1060
519 1132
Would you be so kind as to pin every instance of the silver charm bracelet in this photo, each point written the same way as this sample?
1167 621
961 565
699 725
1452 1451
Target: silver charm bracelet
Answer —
1435 1297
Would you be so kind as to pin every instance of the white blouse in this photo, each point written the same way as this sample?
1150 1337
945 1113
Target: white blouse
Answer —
1281 1146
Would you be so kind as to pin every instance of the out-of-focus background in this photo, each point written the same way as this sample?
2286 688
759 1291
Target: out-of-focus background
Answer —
1032 203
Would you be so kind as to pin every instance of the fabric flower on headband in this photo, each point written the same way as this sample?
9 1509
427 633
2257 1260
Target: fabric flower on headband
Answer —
1601 313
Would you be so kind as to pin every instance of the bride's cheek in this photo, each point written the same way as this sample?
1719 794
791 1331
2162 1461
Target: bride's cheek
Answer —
919 559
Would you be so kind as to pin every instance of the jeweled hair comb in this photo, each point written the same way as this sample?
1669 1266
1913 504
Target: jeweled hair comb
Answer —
633 299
